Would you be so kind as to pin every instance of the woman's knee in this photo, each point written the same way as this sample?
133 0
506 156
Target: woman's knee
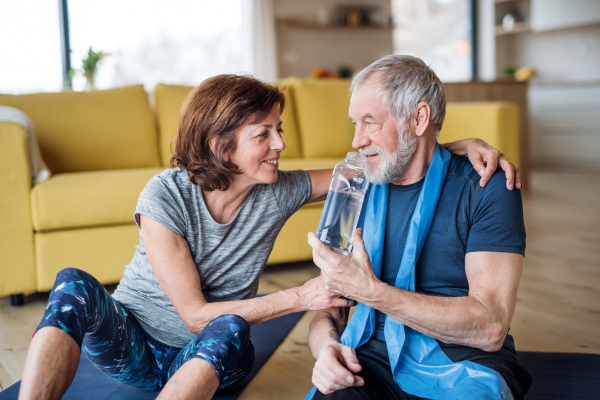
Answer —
67 275
72 303
75 282
225 344
229 324
232 320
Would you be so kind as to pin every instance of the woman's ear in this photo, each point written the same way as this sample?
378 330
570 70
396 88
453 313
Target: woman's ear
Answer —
422 118
212 143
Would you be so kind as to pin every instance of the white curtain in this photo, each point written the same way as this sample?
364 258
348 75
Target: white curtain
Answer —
259 36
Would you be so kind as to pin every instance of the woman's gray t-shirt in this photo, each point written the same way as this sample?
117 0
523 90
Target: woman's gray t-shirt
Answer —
229 257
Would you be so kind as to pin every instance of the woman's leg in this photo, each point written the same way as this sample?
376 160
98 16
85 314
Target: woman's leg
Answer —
80 312
216 361
50 366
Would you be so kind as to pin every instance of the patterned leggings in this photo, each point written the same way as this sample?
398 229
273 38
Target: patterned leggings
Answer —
111 337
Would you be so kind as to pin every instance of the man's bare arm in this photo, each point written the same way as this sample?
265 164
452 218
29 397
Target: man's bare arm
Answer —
337 365
480 319
328 325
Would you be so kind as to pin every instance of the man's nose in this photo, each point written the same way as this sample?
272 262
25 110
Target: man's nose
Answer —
360 138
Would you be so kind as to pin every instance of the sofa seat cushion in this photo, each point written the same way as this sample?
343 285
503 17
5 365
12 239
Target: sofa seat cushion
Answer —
86 199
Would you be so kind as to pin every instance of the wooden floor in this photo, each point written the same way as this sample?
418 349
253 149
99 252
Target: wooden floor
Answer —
558 307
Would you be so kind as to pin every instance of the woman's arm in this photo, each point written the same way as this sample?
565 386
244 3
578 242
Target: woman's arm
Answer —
172 264
485 160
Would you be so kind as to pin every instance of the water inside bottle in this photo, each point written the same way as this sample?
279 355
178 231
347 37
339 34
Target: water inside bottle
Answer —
341 213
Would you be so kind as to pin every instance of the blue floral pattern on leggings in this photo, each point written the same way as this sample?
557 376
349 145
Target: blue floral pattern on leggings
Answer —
111 337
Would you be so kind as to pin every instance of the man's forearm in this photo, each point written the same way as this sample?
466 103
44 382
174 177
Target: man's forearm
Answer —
458 320
327 325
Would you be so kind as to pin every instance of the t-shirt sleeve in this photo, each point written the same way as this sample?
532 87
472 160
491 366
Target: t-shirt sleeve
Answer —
291 191
497 218
160 201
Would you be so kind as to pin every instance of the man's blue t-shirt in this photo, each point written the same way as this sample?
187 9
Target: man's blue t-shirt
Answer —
468 218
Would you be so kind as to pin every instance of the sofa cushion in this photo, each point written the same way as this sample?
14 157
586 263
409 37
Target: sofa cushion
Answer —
168 100
86 199
322 113
90 131
495 122
309 163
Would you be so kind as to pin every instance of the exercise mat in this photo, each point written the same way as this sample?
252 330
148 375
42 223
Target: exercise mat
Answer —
92 384
562 376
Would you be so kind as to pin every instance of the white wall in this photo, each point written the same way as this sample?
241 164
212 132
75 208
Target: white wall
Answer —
565 125
567 55
486 41
564 99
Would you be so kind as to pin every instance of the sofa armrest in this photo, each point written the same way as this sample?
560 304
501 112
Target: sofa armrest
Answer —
17 261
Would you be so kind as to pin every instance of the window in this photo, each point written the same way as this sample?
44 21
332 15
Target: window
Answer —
148 41
30 46
437 31
153 41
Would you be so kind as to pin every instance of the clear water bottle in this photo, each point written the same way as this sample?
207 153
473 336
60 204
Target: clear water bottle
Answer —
343 204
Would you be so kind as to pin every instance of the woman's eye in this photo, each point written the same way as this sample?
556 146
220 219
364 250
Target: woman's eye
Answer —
265 133
280 131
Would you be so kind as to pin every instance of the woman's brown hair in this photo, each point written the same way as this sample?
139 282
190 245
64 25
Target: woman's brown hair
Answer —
219 107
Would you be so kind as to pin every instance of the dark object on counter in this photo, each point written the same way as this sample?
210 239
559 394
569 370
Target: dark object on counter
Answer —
345 72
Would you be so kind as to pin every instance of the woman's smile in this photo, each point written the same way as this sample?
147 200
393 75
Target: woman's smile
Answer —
272 163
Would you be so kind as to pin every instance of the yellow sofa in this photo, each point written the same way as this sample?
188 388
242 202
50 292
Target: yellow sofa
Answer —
103 146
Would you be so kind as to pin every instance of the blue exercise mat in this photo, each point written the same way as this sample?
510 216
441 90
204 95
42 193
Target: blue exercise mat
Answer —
92 384
562 376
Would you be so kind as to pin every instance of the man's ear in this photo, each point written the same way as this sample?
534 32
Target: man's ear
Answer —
423 112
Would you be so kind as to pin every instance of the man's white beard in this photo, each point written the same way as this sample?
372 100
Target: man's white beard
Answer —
392 166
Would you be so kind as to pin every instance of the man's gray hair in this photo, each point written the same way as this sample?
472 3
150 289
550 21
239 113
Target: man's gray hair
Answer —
404 82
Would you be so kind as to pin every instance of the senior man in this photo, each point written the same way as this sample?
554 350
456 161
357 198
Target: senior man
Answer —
437 273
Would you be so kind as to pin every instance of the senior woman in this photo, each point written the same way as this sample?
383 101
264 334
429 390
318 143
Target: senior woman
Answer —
180 317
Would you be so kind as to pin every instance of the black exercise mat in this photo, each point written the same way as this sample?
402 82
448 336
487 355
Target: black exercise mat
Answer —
92 384
562 375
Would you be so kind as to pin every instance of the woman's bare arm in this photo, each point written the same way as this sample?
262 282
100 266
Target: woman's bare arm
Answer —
172 264
485 160
319 183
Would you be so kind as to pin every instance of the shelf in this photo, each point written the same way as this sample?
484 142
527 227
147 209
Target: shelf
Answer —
314 26
519 27
508 1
